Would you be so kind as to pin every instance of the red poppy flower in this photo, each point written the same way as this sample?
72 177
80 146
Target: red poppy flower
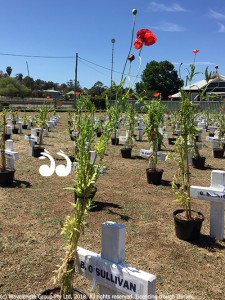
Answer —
195 51
153 132
146 37
131 57
222 108
156 94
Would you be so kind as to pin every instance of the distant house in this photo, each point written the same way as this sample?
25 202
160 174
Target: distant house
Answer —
52 94
214 92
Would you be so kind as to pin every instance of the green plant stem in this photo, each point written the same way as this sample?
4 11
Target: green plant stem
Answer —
70 258
3 144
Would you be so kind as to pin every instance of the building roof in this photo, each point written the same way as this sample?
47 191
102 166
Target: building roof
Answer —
200 84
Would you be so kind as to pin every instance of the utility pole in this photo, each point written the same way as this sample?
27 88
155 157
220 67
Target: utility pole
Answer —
75 82
28 69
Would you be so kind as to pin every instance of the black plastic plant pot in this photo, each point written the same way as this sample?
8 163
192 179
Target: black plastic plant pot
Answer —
171 141
188 230
126 152
115 141
37 151
51 294
15 130
6 136
24 126
154 176
99 133
199 162
218 152
6 177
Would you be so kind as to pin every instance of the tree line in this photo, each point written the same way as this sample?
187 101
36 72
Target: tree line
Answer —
159 78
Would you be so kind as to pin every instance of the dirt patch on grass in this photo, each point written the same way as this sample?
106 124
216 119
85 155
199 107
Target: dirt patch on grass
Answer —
33 207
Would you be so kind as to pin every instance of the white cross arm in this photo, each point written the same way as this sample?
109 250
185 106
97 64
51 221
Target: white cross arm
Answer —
31 138
118 277
11 154
206 193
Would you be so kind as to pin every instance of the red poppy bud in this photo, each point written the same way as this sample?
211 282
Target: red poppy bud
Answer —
131 57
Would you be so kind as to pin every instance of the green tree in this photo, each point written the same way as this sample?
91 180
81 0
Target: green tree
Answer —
159 77
97 89
8 70
10 87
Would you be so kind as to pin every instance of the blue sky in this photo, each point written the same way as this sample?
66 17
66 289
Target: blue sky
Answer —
62 28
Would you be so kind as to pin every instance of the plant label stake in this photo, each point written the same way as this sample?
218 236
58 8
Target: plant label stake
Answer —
10 155
32 140
216 195
110 272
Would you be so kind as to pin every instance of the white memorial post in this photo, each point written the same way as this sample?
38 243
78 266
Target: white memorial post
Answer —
216 195
32 139
110 272
9 126
20 124
29 124
10 155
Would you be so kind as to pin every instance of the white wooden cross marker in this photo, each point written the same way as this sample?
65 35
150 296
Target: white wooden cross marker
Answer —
32 139
110 272
10 154
216 195
146 153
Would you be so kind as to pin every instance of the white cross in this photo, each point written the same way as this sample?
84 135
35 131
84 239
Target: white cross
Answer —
146 153
110 272
216 195
10 154
32 139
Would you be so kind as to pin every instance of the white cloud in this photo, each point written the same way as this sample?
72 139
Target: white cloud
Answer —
167 26
216 15
222 27
174 7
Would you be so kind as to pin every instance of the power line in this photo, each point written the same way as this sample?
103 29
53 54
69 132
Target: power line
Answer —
63 57
36 56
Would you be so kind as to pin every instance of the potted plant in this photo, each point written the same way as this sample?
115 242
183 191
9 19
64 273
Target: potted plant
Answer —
6 175
14 119
153 121
129 144
187 221
220 117
86 174
40 122
198 160
25 119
